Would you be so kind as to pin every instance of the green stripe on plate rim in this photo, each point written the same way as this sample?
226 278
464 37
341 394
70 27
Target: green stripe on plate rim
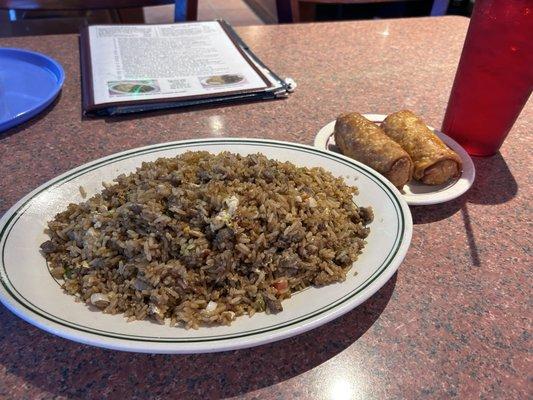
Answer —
57 182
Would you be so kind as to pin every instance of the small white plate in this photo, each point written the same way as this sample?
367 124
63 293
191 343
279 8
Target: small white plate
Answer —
415 193
28 290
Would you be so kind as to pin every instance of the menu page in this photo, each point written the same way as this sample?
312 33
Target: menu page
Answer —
144 62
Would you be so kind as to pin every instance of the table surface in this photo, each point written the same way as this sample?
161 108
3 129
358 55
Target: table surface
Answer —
454 320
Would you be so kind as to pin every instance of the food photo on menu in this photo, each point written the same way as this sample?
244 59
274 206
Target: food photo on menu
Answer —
258 200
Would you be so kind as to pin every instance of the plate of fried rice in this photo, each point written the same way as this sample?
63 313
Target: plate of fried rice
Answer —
201 245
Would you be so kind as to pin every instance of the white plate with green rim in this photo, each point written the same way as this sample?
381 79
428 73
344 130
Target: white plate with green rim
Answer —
28 290
415 193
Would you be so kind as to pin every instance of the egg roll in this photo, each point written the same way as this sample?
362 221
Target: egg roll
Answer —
364 141
434 162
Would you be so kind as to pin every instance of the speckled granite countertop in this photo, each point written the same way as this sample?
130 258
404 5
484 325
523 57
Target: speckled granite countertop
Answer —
453 322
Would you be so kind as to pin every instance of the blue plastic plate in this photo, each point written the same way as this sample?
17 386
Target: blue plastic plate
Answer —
29 82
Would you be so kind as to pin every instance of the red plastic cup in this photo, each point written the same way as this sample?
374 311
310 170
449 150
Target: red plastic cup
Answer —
495 75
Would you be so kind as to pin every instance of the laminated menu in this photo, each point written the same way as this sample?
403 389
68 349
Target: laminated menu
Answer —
134 68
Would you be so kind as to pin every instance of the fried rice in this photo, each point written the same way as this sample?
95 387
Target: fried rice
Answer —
200 239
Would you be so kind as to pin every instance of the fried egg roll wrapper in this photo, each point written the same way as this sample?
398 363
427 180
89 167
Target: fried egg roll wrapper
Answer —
364 141
435 163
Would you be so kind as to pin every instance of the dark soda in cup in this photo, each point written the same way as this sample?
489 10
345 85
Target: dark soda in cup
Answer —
494 77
